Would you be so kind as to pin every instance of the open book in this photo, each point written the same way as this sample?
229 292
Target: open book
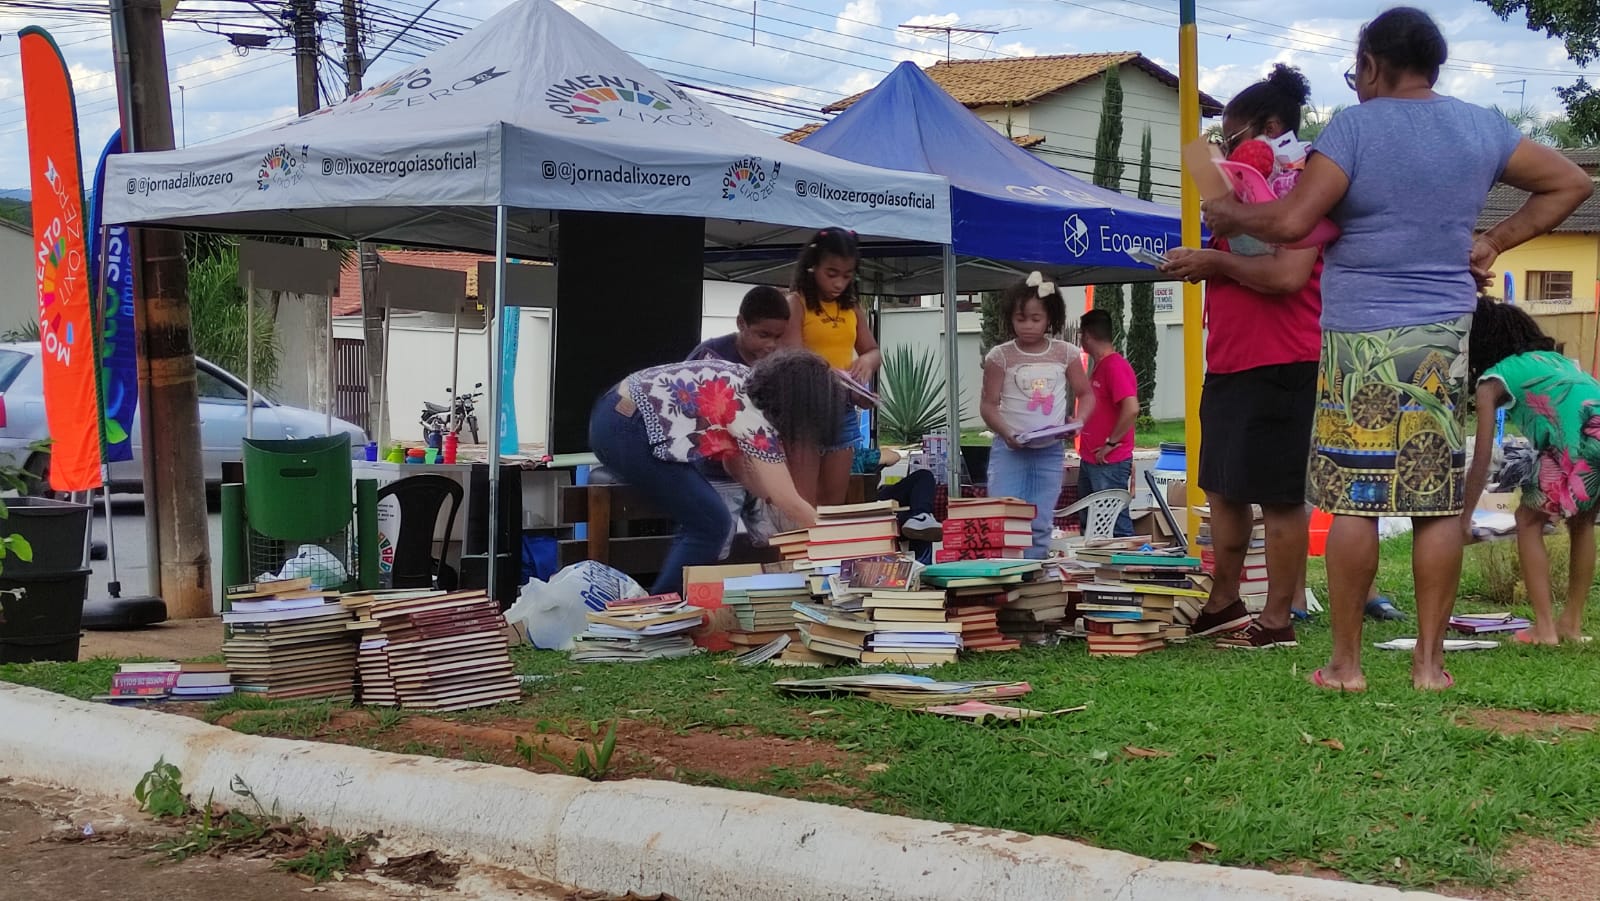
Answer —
862 392
1049 433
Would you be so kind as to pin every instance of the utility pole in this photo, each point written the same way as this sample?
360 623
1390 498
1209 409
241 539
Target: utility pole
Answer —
372 333
303 26
169 402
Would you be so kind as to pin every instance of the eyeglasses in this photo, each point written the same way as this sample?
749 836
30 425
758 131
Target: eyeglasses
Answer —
1229 142
1350 77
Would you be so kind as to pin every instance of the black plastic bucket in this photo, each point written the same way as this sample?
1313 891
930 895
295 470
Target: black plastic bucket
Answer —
46 620
57 530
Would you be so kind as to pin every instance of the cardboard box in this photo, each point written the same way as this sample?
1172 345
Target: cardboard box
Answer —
702 587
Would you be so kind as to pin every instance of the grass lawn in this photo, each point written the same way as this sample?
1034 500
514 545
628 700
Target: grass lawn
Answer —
1163 430
1179 752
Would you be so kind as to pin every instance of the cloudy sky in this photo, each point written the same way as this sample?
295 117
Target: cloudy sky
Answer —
804 54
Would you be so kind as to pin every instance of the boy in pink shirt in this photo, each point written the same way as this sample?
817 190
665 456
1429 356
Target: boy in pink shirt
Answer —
1106 443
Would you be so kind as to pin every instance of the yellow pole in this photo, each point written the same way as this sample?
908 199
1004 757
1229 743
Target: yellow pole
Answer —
1194 348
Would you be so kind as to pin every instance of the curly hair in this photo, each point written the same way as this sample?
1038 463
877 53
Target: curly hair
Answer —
834 242
797 391
1280 95
1017 296
1501 330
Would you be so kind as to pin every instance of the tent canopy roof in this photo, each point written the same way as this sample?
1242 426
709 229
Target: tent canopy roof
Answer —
535 111
1012 211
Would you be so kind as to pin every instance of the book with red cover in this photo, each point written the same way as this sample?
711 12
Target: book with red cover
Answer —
951 555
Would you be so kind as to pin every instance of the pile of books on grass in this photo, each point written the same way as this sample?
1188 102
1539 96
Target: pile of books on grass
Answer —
1253 579
1037 612
981 528
764 607
135 683
853 530
285 639
1165 574
911 627
1486 623
634 629
434 650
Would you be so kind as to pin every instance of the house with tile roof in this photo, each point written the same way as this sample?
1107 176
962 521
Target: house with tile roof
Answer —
1557 275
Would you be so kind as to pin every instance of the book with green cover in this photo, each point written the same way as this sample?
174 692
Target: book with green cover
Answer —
1153 560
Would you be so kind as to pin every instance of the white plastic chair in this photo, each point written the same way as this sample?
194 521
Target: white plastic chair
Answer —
1104 507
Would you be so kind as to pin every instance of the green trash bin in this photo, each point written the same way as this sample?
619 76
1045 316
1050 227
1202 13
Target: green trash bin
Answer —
298 489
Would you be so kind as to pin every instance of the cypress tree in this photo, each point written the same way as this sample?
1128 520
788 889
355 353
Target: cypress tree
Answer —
1108 174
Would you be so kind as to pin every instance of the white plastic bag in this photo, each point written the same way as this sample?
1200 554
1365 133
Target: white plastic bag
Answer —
550 613
316 563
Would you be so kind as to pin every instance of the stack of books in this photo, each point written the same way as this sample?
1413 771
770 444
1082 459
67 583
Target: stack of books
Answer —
981 528
1485 623
288 640
1036 612
634 629
912 628
980 628
445 651
853 530
140 682
833 633
791 546
1124 620
1171 578
1253 578
374 683
764 606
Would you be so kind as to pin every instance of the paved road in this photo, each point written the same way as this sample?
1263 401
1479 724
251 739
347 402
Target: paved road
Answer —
132 559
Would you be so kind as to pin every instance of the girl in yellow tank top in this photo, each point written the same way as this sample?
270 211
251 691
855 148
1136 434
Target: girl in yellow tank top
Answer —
825 319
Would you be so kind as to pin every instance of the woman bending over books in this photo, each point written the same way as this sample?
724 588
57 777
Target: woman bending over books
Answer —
1262 344
655 426
826 319
1029 385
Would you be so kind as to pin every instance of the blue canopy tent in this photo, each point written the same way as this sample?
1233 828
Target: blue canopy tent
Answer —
1010 211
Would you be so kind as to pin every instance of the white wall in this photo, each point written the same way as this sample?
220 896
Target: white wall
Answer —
419 370
19 295
924 328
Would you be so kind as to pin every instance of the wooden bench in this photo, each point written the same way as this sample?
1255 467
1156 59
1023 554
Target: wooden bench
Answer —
627 532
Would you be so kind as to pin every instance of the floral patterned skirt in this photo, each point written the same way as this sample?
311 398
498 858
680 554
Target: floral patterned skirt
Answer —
1390 431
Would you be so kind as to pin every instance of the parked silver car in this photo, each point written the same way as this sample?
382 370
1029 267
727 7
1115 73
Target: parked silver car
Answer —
222 419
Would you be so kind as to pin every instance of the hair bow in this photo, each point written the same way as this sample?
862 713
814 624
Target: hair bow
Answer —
1036 280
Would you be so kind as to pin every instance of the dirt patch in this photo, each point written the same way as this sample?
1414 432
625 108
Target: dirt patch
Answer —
1551 871
1524 722
643 750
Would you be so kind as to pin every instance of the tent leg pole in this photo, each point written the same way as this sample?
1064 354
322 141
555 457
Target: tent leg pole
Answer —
496 375
114 587
952 375
328 389
382 436
250 353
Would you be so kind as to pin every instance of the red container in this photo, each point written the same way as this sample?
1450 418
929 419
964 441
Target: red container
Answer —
1320 522
452 442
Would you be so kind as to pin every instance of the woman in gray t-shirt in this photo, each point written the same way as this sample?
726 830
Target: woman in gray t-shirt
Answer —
1404 174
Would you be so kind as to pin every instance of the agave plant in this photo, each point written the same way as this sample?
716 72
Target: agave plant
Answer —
912 388
27 330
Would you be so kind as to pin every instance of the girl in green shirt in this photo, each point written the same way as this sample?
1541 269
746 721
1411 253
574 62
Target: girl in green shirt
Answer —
1556 405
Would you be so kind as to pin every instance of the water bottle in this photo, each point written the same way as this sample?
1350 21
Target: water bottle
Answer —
451 442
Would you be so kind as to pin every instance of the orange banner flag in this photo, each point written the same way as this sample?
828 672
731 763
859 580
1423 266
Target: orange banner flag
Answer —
66 322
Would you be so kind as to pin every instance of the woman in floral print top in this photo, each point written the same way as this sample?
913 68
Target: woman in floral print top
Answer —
658 423
1556 405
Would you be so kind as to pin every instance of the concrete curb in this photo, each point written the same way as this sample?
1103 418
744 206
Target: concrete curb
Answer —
646 836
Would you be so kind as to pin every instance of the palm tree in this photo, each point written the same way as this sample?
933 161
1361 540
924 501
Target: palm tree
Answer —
1314 119
1553 131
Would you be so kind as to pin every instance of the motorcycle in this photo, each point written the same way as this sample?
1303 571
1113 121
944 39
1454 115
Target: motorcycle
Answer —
437 419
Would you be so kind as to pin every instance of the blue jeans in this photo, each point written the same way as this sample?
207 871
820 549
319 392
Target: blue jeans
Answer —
1034 475
1094 477
677 489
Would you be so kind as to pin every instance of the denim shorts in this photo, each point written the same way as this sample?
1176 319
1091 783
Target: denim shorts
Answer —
849 431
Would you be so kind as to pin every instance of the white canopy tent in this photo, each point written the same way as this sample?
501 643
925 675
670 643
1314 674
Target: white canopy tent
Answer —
479 145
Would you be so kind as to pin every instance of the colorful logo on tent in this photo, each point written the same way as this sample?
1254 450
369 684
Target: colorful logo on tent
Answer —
385 554
413 87
282 167
596 99
1076 235
748 178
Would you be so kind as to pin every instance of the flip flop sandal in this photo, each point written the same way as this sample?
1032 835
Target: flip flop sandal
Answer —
1319 681
1381 608
1300 615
